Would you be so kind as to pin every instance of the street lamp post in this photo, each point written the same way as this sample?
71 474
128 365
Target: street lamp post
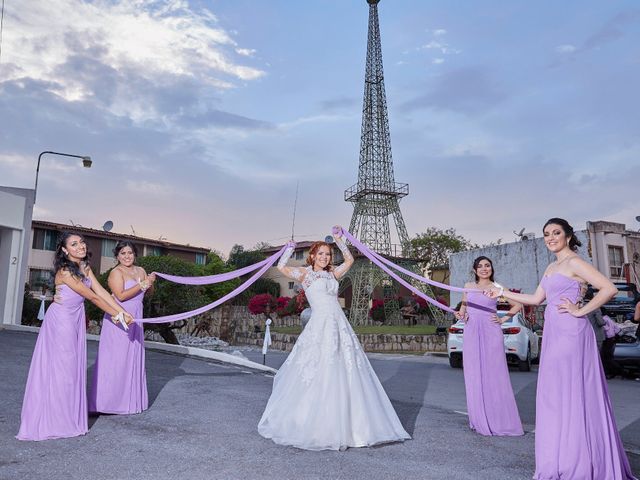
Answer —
86 162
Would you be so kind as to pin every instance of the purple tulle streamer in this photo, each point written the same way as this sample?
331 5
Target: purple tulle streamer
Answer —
266 264
210 279
409 273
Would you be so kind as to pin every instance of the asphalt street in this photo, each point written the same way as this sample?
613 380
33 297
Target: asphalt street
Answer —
203 417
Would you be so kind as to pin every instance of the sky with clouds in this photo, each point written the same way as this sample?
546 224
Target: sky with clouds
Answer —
201 115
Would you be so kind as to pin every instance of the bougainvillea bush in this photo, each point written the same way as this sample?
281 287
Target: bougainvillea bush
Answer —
259 303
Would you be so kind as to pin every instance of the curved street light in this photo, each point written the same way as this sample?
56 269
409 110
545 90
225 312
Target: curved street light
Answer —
86 162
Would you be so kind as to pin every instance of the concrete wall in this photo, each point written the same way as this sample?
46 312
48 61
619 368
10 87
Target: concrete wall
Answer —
517 265
16 211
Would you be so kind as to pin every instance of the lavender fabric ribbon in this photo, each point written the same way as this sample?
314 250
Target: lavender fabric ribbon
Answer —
210 279
266 264
409 273
383 262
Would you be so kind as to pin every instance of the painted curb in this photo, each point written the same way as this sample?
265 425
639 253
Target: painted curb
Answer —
166 347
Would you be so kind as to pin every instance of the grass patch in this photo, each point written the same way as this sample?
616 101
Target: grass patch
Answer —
288 330
373 330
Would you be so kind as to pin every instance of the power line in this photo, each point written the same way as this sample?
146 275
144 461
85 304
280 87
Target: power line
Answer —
1 24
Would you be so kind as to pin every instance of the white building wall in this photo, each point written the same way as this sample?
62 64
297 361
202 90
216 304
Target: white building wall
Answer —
518 265
106 263
41 259
603 235
16 211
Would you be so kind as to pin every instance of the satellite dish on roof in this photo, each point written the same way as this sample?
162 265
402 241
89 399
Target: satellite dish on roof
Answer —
108 225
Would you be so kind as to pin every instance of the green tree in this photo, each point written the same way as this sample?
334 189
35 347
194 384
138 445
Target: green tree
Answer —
433 247
169 298
239 257
214 266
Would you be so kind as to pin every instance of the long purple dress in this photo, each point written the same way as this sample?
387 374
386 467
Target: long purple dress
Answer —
119 378
55 398
490 401
576 433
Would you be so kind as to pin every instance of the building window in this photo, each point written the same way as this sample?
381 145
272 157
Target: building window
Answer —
616 258
201 259
154 251
290 285
38 278
45 239
299 254
107 247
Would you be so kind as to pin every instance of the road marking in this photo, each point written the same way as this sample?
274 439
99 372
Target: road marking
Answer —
461 413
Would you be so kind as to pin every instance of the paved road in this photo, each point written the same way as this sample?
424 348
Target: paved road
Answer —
203 417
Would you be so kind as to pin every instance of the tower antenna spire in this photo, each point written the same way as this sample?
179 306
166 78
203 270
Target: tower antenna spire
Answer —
376 196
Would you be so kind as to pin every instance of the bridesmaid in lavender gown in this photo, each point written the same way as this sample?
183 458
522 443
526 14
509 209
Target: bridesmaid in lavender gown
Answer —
490 401
119 379
576 433
55 398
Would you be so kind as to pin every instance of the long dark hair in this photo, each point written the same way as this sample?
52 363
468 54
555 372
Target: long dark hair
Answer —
60 260
125 243
574 243
476 264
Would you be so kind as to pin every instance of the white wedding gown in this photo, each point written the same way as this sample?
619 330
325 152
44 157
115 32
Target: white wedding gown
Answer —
326 396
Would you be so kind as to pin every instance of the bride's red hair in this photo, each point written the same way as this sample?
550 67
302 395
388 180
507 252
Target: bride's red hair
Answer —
314 249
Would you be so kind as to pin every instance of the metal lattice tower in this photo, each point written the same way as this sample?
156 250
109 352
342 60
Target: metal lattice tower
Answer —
376 196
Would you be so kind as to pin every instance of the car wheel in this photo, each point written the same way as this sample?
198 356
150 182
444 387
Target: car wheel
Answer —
525 365
455 361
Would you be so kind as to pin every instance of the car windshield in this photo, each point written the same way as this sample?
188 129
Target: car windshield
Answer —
624 295
509 320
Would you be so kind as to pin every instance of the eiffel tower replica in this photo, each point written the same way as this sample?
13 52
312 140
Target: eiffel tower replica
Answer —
376 196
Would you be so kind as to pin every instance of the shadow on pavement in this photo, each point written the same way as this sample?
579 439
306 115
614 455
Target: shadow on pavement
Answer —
408 399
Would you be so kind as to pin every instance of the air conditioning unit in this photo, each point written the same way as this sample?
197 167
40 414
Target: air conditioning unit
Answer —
528 236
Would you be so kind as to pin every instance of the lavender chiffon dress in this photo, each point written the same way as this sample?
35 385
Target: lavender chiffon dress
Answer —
55 398
490 401
576 433
119 378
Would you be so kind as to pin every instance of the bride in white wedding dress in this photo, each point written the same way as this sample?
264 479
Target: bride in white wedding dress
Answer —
326 396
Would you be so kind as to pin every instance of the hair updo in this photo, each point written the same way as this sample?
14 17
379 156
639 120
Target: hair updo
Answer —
125 243
574 243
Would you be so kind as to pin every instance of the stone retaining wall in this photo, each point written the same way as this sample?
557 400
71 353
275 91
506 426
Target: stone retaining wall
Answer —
236 325
370 342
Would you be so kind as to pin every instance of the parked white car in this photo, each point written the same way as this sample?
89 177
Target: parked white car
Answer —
520 342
